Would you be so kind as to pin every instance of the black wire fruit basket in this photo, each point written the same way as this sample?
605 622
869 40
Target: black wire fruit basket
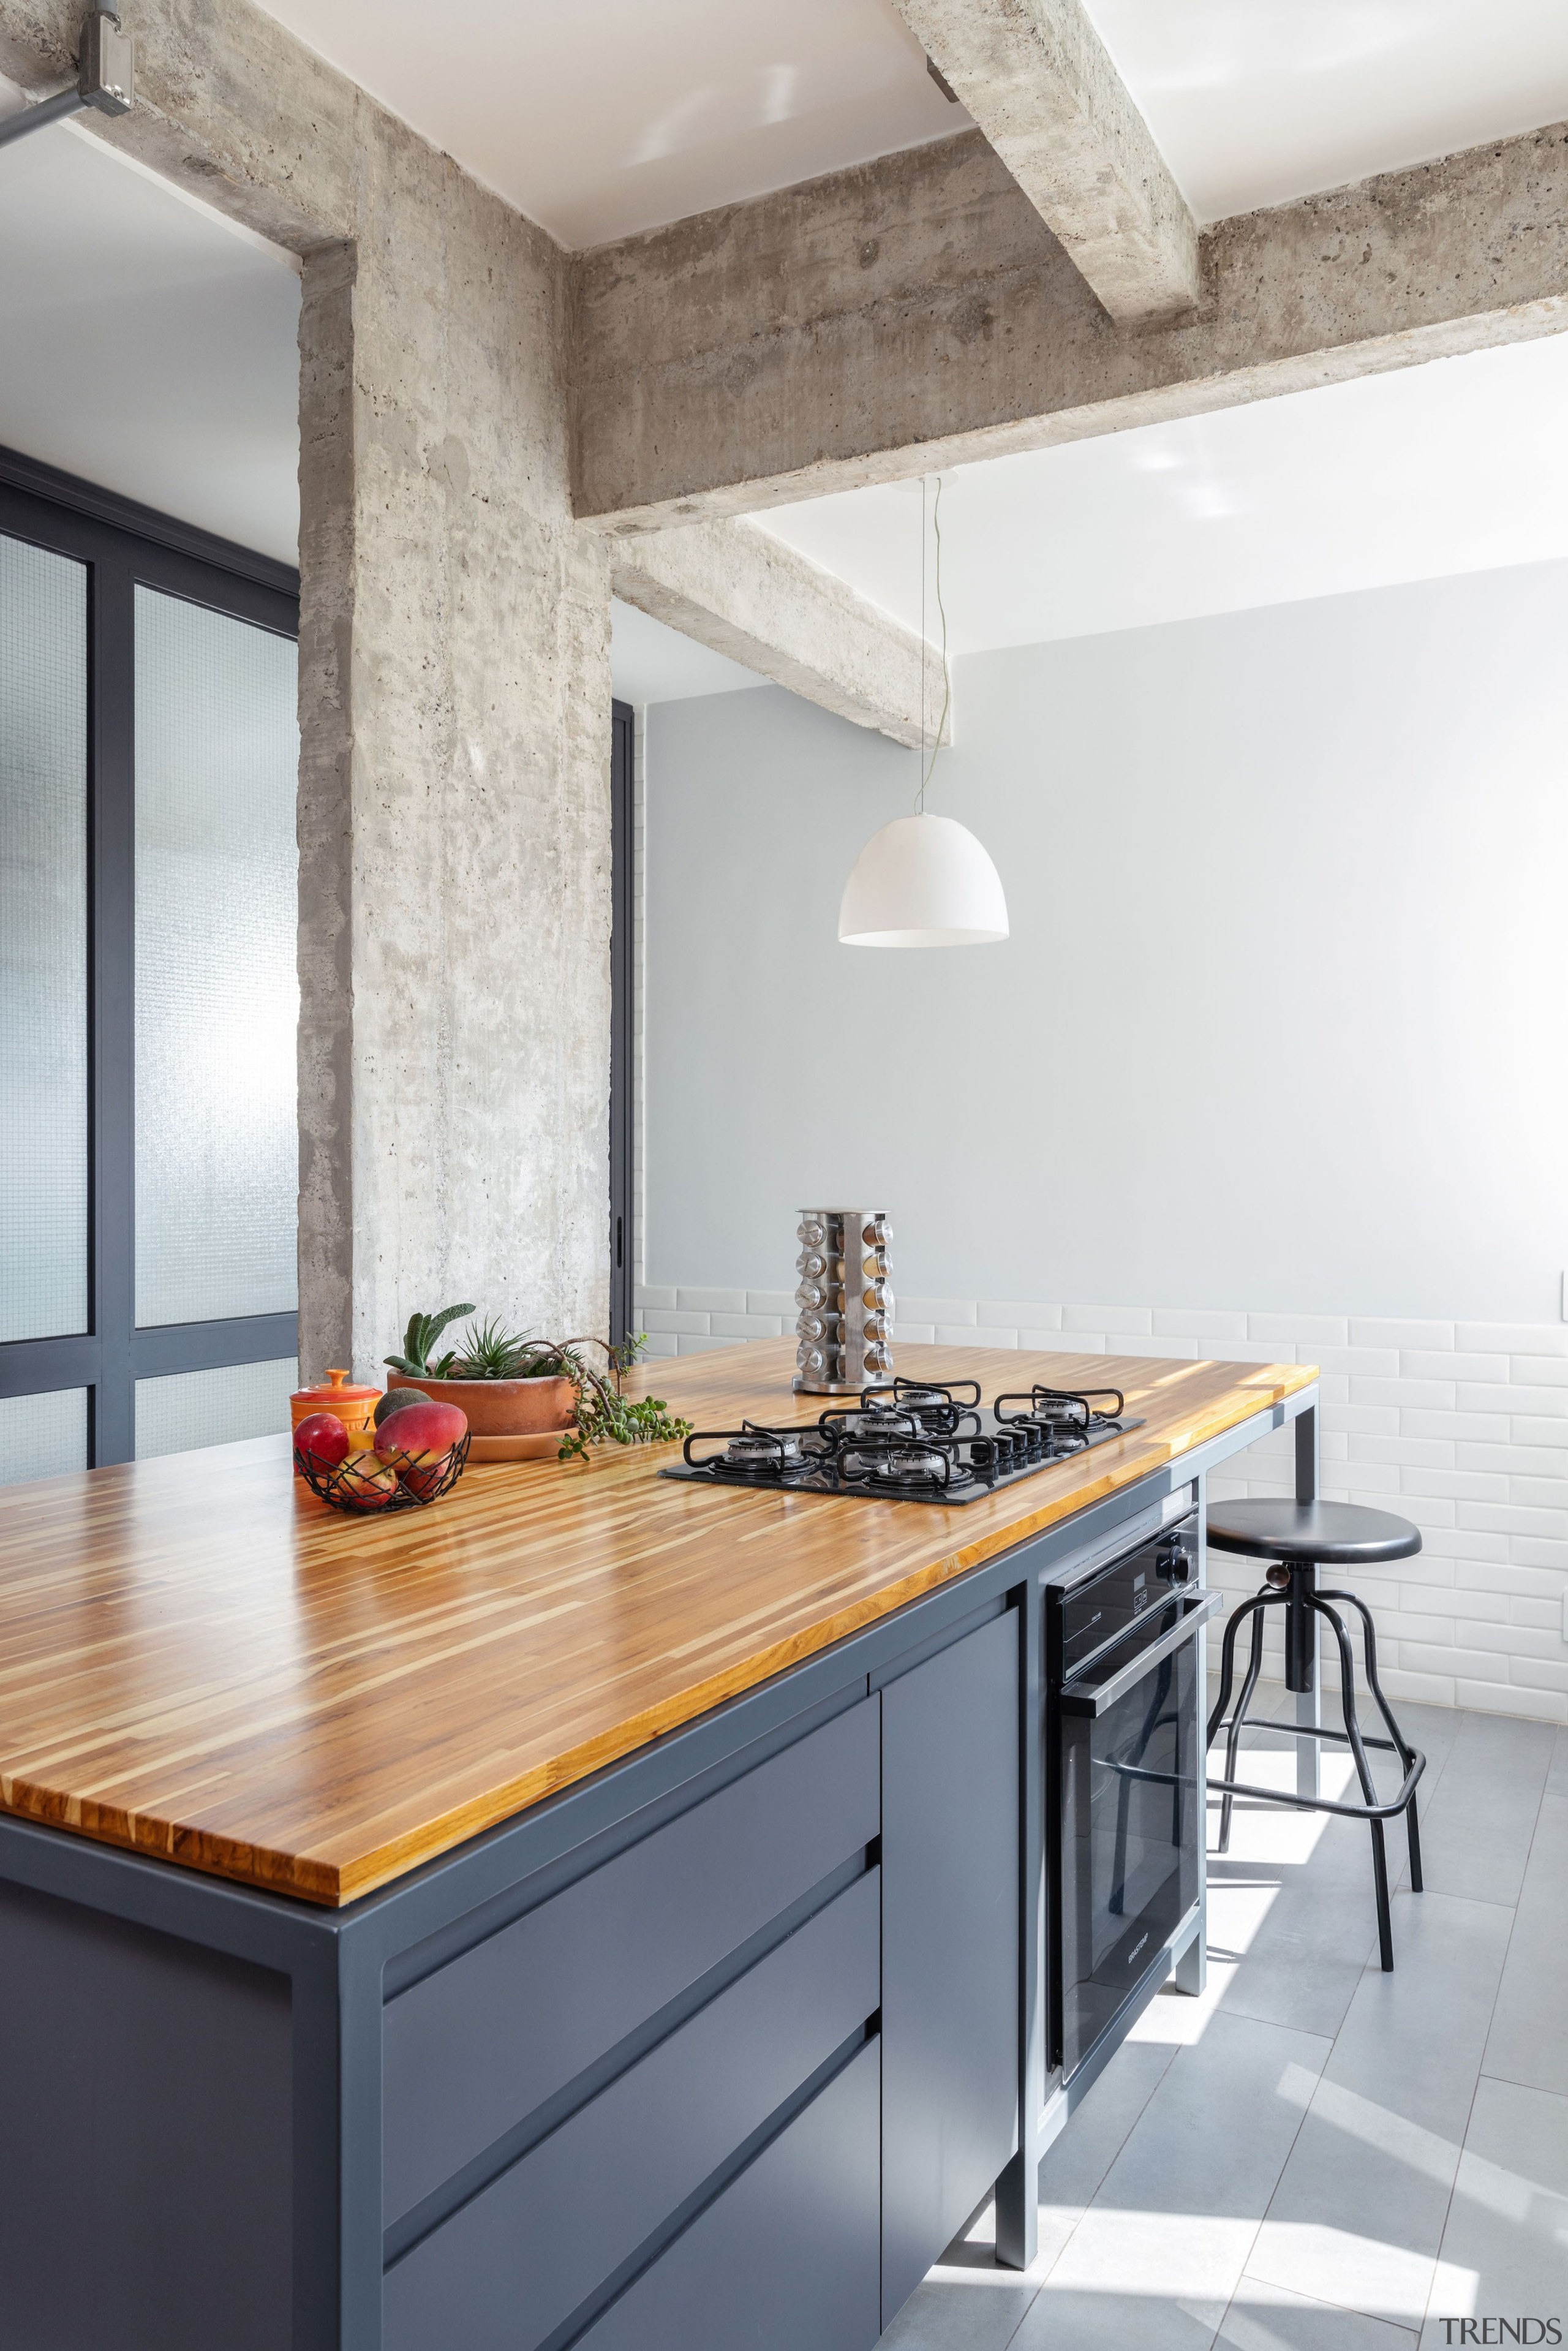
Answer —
422 1478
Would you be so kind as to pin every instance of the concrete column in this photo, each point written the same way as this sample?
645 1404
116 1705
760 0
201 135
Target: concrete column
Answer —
454 809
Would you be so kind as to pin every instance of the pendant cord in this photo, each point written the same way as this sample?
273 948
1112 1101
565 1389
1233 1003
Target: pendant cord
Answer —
926 767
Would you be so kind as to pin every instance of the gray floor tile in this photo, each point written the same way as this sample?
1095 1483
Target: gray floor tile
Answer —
953 2311
1268 2318
1557 1775
1158 2319
1505 2249
1359 2213
1529 2037
1476 1827
1302 1944
1157 2255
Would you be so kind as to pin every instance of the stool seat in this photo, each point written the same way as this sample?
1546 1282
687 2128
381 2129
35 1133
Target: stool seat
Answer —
1333 1534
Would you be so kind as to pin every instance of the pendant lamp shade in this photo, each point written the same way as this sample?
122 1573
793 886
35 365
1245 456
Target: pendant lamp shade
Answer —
922 881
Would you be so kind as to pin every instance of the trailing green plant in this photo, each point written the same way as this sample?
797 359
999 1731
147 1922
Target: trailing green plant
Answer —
423 1329
604 1414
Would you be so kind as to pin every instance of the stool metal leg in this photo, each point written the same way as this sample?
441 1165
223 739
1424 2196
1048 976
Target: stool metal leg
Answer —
1226 1671
1233 1742
1402 1746
1364 1773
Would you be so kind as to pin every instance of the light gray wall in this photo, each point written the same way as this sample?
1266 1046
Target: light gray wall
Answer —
1283 1021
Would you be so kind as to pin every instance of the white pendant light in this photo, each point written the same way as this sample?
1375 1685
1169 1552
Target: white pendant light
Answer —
924 881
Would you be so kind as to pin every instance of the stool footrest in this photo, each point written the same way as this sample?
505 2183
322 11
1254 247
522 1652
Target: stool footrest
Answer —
1388 1812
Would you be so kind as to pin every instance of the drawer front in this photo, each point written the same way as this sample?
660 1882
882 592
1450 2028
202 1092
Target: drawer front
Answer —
516 2260
787 2258
470 2052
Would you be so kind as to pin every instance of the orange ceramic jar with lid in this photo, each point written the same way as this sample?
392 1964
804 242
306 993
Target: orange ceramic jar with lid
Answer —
355 1407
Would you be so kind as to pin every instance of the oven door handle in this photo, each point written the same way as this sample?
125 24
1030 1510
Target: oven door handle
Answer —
1095 1698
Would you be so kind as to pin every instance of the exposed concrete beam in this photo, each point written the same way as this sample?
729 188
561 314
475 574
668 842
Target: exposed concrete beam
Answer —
1036 77
737 590
916 312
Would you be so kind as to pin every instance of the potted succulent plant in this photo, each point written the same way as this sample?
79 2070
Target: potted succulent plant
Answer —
529 1398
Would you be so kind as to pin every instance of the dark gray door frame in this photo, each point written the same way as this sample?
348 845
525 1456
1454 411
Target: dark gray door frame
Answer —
122 545
622 1010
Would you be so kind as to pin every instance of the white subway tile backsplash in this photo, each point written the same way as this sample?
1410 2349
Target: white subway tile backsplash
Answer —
658 1298
1436 1657
970 1334
1456 1485
1511 1338
1542 1615
1426 1396
711 1302
1541 1673
1184 1323
1408 1452
747 1326
932 1310
1468 1428
1363 1419
1530 1428
1539 1371
1108 1317
1535 1461
1360 1363
686 1324
1428 1363
1007 1315
1514 1397
1043 1341
1538 1705
771 1302
1308 1331
1377 1332
1515 1520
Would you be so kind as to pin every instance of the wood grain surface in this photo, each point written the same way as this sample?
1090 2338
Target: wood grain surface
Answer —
200 1661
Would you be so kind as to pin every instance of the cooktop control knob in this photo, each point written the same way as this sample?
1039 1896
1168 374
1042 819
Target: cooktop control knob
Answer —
1174 1565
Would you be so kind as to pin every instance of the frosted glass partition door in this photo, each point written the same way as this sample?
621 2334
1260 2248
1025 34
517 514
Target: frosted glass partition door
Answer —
217 1000
149 748
43 944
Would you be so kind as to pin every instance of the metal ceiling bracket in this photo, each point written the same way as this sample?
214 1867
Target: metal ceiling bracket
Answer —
105 65
106 62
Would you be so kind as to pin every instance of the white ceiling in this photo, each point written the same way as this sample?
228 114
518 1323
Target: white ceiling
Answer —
145 342
1459 465
1255 101
601 117
649 662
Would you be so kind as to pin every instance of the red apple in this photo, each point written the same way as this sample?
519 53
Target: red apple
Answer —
323 1438
369 1484
419 1436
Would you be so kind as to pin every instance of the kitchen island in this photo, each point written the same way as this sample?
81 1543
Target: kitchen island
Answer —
561 1916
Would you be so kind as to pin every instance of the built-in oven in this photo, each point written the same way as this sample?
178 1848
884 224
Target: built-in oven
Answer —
1125 1757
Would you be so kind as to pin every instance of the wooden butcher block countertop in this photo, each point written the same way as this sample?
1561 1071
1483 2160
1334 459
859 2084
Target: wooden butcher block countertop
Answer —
200 1661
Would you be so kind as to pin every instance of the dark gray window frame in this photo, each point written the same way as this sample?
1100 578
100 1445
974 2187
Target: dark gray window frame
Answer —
622 1012
122 546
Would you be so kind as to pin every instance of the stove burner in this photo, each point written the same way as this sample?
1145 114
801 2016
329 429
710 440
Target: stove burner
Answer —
909 1441
750 1451
1064 1412
896 1465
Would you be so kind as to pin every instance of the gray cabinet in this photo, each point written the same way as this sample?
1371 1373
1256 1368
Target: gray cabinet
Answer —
950 1991
785 2259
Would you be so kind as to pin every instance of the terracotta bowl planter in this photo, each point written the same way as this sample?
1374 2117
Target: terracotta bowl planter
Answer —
509 1420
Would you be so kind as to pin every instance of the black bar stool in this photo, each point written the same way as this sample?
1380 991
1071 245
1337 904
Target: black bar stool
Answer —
1302 1537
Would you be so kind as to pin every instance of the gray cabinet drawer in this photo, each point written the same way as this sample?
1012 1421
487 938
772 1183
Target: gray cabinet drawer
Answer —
471 2051
516 2260
785 2259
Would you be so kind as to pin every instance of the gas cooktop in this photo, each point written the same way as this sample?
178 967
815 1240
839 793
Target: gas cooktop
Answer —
907 1441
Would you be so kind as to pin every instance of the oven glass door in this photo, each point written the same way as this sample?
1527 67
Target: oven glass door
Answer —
1128 1791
